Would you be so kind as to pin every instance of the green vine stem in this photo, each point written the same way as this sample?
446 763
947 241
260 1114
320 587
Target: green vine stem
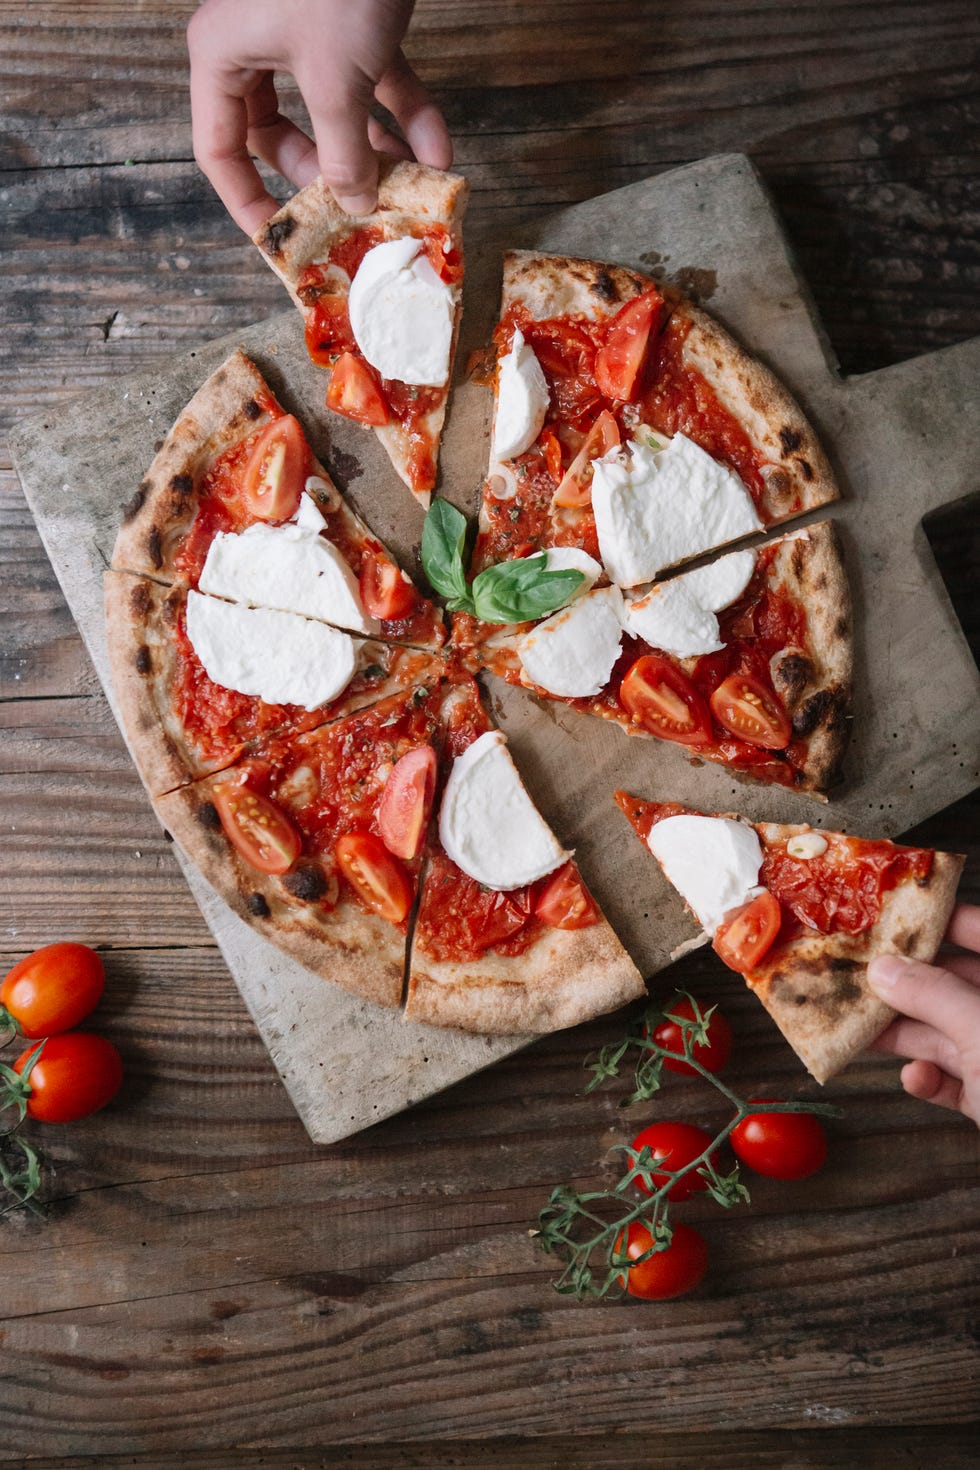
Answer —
20 1161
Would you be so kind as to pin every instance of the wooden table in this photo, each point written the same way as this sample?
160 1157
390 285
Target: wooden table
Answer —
208 1280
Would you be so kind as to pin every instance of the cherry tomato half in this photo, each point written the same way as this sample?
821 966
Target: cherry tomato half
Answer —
575 489
76 1074
751 711
660 697
743 941
255 826
385 590
712 1054
780 1145
52 989
619 362
674 1145
276 470
668 1273
355 392
565 902
406 802
378 879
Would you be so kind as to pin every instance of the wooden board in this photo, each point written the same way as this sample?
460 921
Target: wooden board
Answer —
901 440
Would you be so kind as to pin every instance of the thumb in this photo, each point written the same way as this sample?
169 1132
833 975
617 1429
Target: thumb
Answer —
927 993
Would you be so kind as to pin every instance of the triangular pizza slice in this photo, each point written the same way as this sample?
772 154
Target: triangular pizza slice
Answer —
381 296
801 912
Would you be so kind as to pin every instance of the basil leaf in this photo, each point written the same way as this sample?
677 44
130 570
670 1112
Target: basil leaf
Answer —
443 548
522 590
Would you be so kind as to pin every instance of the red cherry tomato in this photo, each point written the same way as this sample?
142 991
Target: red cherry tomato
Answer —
551 447
378 879
712 1054
255 826
385 590
406 803
752 712
328 330
780 1145
749 935
674 1145
276 470
355 392
565 902
575 489
52 989
660 697
668 1273
76 1074
619 362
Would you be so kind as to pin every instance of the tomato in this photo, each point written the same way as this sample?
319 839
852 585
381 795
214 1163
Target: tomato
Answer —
575 489
406 802
255 826
328 330
749 935
711 1054
52 989
668 1273
447 263
76 1074
276 470
746 707
564 902
551 447
675 1145
563 348
780 1145
385 590
660 697
618 364
378 879
355 392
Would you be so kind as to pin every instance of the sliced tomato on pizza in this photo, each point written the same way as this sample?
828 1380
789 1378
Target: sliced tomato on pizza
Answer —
801 912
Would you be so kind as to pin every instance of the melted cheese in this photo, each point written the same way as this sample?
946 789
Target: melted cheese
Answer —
402 313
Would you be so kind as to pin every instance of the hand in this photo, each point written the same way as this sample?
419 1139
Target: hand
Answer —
343 54
940 1024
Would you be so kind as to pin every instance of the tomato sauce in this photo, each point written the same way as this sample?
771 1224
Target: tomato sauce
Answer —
459 919
644 815
840 891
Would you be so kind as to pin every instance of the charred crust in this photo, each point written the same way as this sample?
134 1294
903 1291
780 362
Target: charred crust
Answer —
827 707
779 486
805 468
820 582
251 409
207 815
171 607
140 600
144 663
790 439
257 906
605 287
791 675
836 994
154 547
277 232
182 484
307 883
133 506
798 559
908 944
841 627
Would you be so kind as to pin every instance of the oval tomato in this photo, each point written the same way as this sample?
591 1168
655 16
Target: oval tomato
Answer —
256 828
406 802
385 590
619 362
564 902
674 1145
276 470
780 1145
660 697
378 879
575 489
743 941
711 1054
751 711
355 391
668 1273
52 989
76 1074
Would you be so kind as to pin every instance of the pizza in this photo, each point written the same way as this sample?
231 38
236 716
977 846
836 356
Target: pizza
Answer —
381 297
800 912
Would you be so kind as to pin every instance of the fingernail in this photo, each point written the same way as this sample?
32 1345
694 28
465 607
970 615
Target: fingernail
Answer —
885 972
357 203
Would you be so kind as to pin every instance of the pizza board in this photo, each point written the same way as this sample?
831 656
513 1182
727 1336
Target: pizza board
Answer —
903 443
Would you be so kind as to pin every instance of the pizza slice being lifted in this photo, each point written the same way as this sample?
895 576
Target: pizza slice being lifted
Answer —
381 296
800 913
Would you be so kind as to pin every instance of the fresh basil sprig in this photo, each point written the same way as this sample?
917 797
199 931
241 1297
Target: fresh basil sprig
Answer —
517 591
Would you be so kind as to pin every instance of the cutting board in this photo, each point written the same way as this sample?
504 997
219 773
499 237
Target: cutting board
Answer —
903 442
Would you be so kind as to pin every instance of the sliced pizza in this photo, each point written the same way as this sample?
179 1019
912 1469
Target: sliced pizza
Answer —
801 912
507 939
315 839
235 504
381 296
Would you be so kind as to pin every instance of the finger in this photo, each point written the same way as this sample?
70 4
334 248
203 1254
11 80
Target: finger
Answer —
219 125
416 114
967 966
385 141
964 926
905 1038
927 993
347 161
276 140
930 1084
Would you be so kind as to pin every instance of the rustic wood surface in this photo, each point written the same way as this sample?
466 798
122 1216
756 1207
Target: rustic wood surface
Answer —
208 1279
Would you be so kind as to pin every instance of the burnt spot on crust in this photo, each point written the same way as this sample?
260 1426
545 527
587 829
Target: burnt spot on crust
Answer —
837 991
144 663
257 906
307 883
797 559
277 232
171 607
820 582
805 468
908 944
604 287
154 548
791 673
140 600
251 409
841 627
790 439
182 484
779 486
207 815
827 707
133 506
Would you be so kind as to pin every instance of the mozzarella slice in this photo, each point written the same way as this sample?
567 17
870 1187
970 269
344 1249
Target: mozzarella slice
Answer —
288 568
522 400
721 582
277 656
572 559
402 312
489 825
656 507
713 862
679 616
308 516
573 652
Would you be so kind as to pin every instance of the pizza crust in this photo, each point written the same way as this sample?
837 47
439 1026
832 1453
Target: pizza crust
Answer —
566 285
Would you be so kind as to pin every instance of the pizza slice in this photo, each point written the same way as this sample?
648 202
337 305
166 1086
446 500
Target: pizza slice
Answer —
746 661
236 504
507 939
315 839
381 297
200 680
800 913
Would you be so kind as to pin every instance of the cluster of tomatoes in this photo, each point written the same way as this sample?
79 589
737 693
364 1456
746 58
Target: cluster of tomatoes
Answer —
63 1074
777 1145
